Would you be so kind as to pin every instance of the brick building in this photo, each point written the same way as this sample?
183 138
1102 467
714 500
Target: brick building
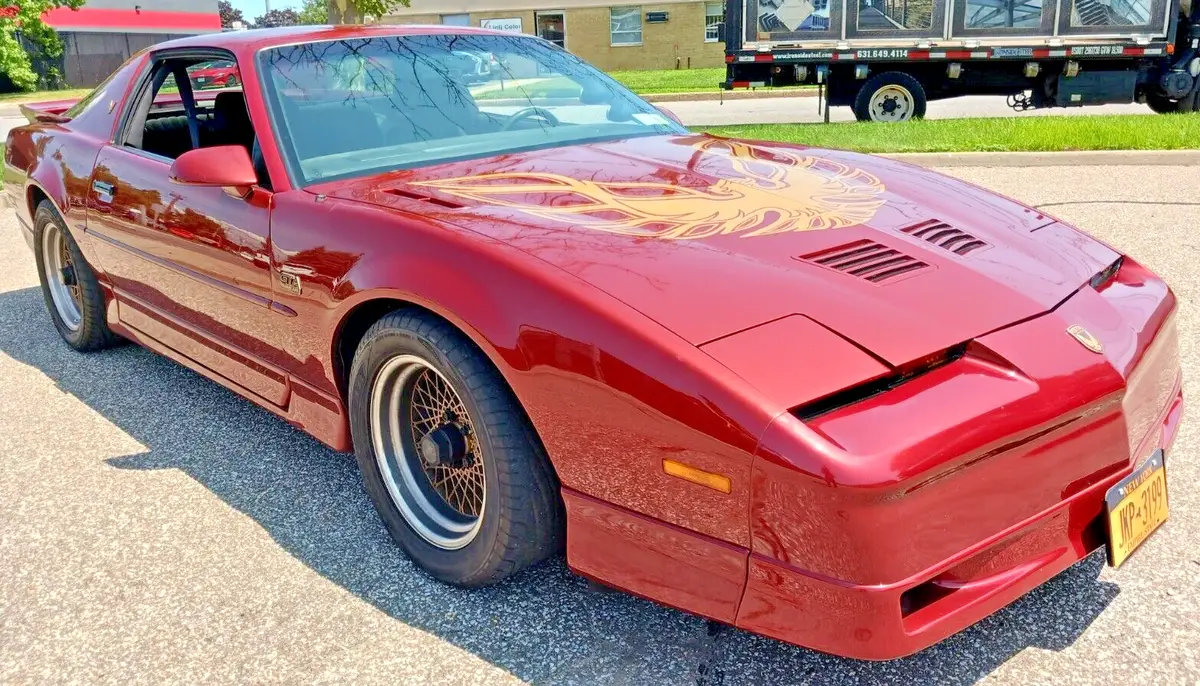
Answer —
611 34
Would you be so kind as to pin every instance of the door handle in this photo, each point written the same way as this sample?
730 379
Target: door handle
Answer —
104 191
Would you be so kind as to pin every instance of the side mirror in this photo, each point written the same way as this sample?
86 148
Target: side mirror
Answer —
221 166
669 114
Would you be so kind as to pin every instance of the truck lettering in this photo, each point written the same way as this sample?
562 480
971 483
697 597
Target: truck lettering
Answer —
805 55
882 53
1012 52
1098 50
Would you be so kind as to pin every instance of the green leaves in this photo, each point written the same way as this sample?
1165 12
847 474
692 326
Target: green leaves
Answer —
354 11
314 12
23 18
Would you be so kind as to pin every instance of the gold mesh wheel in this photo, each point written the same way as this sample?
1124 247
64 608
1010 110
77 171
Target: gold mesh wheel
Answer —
433 405
428 452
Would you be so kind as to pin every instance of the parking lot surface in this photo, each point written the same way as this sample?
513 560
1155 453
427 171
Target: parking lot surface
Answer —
154 528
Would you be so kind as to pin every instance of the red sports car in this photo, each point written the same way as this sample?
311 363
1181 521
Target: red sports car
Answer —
214 74
826 397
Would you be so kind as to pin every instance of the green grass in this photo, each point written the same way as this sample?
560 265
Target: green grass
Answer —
661 81
1024 134
40 96
670 80
553 87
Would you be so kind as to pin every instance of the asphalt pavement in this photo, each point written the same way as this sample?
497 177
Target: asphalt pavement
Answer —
154 528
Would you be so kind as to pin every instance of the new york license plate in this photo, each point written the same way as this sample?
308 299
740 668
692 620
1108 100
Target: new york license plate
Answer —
1136 506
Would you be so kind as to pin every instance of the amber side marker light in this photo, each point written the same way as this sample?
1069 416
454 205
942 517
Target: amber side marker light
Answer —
717 482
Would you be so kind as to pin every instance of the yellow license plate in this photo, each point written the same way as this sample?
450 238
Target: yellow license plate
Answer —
1137 506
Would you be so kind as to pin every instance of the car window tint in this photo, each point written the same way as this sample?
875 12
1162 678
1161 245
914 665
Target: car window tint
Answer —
221 115
357 106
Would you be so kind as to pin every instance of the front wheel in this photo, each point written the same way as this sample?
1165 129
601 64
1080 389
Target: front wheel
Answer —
447 455
892 96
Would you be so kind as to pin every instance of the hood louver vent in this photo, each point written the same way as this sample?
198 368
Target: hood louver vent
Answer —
945 236
867 260
424 198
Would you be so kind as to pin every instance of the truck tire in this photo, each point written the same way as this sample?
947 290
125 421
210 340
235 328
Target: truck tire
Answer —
1191 101
1164 105
892 96
1188 103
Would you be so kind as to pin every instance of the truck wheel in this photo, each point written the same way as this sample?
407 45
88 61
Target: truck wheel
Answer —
1191 101
890 97
1164 105
449 459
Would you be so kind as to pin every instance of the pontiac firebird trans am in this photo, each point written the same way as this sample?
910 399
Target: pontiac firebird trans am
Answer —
825 397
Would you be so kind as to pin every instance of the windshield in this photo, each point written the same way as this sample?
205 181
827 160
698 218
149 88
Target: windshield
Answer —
355 107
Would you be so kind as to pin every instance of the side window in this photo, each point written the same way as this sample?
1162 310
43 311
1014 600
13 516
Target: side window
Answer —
210 110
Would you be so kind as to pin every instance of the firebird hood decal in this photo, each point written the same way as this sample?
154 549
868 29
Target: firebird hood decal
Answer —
659 223
821 194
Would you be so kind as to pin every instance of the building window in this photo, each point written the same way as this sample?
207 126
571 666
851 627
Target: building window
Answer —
714 21
625 25
552 26
456 19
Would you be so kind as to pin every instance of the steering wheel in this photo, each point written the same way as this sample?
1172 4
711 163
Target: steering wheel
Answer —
529 113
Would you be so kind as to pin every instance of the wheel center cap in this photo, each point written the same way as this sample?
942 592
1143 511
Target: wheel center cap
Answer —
889 105
444 446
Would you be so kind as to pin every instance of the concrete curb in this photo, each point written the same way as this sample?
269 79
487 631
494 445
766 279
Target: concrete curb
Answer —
731 95
1084 158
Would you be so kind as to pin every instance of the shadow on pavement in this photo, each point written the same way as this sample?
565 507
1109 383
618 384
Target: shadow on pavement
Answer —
544 626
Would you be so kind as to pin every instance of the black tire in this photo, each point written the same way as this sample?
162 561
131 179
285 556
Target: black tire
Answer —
893 79
522 521
232 82
92 332
1191 101
1163 105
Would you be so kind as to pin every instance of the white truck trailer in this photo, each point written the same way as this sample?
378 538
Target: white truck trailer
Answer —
887 58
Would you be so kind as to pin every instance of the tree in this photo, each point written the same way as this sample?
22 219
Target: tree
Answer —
314 12
274 18
355 11
21 27
230 14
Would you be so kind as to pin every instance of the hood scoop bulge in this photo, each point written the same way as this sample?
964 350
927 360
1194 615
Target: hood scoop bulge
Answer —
866 260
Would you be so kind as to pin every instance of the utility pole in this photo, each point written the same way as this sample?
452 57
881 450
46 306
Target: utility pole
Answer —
268 4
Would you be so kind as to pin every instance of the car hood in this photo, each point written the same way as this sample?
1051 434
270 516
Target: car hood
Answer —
711 236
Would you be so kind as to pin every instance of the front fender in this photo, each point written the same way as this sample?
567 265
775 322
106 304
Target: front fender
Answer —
610 393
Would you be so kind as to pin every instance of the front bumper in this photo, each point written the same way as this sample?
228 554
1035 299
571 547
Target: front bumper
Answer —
887 621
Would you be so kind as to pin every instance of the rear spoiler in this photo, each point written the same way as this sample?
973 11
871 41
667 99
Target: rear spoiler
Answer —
50 111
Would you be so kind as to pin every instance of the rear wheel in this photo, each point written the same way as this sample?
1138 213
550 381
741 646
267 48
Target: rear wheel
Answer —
892 96
69 286
449 458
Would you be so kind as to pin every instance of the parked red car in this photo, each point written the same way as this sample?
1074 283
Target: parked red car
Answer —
215 74
822 396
